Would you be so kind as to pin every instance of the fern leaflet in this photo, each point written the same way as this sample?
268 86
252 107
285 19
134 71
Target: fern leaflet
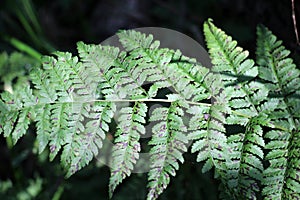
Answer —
282 78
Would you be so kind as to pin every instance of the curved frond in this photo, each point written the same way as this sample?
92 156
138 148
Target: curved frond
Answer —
16 123
164 68
207 128
281 76
246 100
126 150
168 144
242 120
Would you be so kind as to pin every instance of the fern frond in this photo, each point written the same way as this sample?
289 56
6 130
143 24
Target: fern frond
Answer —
15 67
88 120
127 147
72 101
120 74
228 59
87 142
9 117
210 142
16 123
235 145
207 126
3 113
231 62
59 132
43 126
246 99
282 78
169 143
47 94
132 40
164 68
142 47
101 59
64 107
58 77
59 73
251 167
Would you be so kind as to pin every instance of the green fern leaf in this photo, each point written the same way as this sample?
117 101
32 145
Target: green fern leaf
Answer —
246 100
73 100
101 59
163 67
132 40
86 143
282 78
208 131
43 126
16 123
59 132
126 150
169 143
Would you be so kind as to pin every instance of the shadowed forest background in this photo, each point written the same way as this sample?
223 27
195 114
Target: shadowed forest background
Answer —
47 26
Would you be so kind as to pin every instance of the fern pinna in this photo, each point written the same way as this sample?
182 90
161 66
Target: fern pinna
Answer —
74 101
281 77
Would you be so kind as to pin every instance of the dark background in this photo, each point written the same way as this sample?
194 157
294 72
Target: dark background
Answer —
47 26
64 22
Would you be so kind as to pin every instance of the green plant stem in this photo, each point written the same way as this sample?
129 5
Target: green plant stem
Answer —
154 100
24 47
8 86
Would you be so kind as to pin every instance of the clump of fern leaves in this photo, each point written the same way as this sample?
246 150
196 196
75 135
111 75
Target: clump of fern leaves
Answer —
74 99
